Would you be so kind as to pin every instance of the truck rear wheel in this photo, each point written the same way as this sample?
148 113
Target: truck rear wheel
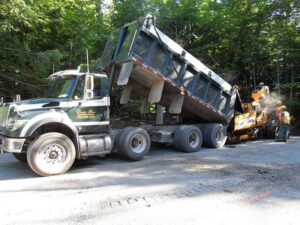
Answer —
21 157
51 154
188 139
134 143
213 135
119 138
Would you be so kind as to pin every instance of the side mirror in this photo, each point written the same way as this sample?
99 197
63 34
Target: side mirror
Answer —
89 86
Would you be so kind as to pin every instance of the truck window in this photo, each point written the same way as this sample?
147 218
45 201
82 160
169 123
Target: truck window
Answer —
79 91
60 87
100 87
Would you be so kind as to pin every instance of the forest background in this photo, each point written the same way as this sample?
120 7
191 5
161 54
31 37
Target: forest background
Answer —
245 41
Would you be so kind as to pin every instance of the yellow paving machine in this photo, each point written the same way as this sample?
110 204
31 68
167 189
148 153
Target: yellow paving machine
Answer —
256 121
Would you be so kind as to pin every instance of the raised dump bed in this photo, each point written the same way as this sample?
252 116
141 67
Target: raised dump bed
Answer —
148 62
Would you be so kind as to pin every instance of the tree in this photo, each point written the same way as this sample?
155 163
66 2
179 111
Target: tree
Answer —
245 41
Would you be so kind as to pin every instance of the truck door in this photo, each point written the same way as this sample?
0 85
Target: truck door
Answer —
91 115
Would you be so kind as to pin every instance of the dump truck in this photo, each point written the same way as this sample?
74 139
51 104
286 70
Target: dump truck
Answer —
73 121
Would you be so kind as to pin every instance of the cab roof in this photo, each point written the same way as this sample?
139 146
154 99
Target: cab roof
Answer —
71 73
66 73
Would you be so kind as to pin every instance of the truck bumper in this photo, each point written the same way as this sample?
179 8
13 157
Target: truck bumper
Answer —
13 145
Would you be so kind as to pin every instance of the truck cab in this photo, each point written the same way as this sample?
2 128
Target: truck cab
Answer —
85 97
71 121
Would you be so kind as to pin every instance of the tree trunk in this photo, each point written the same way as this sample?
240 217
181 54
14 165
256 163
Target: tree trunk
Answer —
291 90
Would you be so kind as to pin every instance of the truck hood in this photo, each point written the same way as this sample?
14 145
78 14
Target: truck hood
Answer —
41 103
24 111
29 108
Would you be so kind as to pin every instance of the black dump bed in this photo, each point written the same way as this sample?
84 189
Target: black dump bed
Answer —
146 61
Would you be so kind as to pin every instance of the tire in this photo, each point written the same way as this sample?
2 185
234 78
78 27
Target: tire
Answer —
51 154
176 138
134 143
22 157
213 135
188 139
119 137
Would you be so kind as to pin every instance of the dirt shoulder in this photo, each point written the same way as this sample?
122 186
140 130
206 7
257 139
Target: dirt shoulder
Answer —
260 174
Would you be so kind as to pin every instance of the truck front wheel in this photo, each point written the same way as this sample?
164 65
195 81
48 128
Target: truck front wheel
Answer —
51 154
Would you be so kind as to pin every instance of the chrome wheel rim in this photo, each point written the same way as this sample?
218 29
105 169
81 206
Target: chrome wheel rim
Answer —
194 140
51 157
138 143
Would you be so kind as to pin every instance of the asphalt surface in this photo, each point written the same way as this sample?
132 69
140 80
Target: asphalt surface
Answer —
256 182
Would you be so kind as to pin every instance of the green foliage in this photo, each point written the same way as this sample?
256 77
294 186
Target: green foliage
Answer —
246 41
44 36
125 11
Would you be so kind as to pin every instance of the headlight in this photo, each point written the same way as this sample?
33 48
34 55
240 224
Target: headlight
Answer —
15 120
12 116
18 123
14 124
10 123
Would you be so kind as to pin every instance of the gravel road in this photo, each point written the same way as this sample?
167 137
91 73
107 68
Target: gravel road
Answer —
256 182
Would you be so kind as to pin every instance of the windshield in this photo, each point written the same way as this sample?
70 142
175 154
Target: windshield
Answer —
60 87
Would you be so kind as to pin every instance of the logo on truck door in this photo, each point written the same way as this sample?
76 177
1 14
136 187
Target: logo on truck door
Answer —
85 114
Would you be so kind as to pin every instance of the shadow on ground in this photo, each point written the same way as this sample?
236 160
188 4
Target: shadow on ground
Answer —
250 168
